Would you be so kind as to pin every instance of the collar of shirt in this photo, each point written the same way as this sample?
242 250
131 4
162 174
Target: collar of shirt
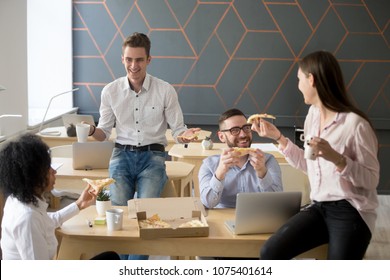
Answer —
340 117
145 85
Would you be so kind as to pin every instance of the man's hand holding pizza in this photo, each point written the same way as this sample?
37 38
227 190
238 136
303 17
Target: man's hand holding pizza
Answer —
189 135
257 160
229 158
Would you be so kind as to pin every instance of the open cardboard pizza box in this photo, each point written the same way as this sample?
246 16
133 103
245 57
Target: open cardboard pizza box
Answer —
180 213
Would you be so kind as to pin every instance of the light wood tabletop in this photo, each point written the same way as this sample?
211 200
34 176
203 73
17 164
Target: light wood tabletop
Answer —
179 174
79 241
64 139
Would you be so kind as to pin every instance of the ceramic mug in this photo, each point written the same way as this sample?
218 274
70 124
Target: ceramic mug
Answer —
114 219
310 152
82 131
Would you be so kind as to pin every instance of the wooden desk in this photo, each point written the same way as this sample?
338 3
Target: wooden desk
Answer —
64 139
78 241
179 174
195 154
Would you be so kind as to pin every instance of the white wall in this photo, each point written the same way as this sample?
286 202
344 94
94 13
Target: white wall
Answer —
49 38
13 64
35 61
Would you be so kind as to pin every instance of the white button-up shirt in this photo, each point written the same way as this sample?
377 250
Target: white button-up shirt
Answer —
353 137
28 232
140 118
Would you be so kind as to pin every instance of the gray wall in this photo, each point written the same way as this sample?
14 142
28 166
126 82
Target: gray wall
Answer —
243 53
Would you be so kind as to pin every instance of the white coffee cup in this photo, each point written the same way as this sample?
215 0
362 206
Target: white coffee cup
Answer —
302 136
114 219
310 152
82 131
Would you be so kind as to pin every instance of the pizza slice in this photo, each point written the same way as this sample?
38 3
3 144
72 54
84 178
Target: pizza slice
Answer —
192 223
190 137
99 184
260 116
244 151
153 222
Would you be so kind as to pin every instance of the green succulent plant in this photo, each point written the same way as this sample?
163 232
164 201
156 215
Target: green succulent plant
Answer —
103 195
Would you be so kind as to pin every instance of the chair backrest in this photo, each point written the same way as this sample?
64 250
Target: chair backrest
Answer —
65 151
295 180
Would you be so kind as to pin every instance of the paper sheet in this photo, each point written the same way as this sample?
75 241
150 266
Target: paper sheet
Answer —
55 166
266 147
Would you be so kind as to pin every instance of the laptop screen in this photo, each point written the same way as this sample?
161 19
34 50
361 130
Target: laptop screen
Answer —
92 155
264 212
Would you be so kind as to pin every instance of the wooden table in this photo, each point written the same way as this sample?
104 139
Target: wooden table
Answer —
64 139
179 175
194 154
78 241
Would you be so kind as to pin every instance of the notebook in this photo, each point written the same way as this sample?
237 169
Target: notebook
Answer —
92 155
68 119
263 212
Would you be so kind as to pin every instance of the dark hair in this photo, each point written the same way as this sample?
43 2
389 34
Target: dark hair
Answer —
329 82
228 114
137 40
24 168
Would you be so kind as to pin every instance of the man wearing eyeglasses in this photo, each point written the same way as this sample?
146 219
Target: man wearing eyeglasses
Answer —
221 177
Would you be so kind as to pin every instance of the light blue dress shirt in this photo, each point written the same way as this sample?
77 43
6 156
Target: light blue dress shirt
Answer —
222 194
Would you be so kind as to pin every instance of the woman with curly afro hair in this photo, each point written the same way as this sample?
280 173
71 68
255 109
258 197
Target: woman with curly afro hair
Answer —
28 230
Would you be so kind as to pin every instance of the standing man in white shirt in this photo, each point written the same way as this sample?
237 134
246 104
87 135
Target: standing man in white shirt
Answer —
140 107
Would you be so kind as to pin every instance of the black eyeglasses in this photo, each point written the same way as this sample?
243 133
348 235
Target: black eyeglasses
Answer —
236 130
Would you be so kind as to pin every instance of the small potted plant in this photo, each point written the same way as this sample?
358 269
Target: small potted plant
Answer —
103 202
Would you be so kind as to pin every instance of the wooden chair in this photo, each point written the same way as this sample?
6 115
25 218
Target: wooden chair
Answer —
62 151
295 180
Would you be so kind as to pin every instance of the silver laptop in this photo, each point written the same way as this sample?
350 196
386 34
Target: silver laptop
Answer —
69 119
92 155
263 212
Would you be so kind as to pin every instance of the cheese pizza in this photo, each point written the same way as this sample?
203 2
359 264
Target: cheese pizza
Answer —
244 151
190 137
192 223
99 184
260 116
153 222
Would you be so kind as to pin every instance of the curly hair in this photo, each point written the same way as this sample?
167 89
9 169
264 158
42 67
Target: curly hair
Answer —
24 167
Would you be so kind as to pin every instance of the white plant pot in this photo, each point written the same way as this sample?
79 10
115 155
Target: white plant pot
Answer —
102 206
207 144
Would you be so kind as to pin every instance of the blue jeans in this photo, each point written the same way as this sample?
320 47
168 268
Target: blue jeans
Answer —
136 171
337 223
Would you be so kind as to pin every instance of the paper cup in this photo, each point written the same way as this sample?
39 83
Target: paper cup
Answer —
114 219
310 152
82 131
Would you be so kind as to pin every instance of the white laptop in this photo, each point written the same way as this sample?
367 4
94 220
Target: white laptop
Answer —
263 212
69 119
92 155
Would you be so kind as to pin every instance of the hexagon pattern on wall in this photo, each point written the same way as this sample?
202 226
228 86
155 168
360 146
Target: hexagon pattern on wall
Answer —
240 53
237 53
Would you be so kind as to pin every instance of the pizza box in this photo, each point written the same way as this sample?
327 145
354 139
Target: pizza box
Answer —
177 212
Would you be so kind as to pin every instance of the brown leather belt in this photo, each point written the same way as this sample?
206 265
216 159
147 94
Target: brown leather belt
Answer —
151 147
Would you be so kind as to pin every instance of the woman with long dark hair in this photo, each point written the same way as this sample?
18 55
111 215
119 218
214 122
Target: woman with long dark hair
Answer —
343 176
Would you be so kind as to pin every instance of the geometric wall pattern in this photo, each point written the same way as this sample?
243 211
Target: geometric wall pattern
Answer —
243 53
